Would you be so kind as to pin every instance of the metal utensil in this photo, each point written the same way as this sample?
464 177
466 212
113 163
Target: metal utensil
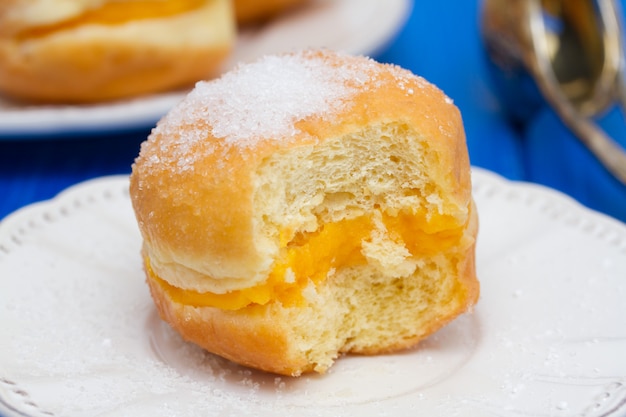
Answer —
568 53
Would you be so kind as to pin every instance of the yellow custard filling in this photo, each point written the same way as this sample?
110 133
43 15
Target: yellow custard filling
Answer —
310 257
115 13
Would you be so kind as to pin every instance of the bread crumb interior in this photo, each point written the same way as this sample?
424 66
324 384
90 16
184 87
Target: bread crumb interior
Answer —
377 228
408 277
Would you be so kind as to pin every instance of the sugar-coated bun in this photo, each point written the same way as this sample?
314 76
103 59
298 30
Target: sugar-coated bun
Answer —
254 11
305 205
95 50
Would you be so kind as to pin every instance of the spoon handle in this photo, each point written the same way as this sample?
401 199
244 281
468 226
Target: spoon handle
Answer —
606 150
621 86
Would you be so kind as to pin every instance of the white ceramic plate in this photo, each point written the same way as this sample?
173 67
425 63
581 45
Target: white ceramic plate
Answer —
80 336
354 26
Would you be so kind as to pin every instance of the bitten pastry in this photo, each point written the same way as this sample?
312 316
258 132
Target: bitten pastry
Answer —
306 205
94 50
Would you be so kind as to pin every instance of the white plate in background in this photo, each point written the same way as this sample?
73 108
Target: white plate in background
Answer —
80 335
353 26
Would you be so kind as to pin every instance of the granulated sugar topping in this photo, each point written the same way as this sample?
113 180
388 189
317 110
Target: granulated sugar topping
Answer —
263 99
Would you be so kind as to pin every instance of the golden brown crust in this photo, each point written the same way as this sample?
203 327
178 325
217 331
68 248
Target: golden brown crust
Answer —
252 336
96 62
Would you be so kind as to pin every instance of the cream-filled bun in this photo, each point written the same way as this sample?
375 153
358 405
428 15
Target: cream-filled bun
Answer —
305 205
94 50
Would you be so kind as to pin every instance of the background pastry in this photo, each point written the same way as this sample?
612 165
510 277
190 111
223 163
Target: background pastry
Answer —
254 11
94 50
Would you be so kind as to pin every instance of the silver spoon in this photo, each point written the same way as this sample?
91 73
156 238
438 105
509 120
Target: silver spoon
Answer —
568 53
